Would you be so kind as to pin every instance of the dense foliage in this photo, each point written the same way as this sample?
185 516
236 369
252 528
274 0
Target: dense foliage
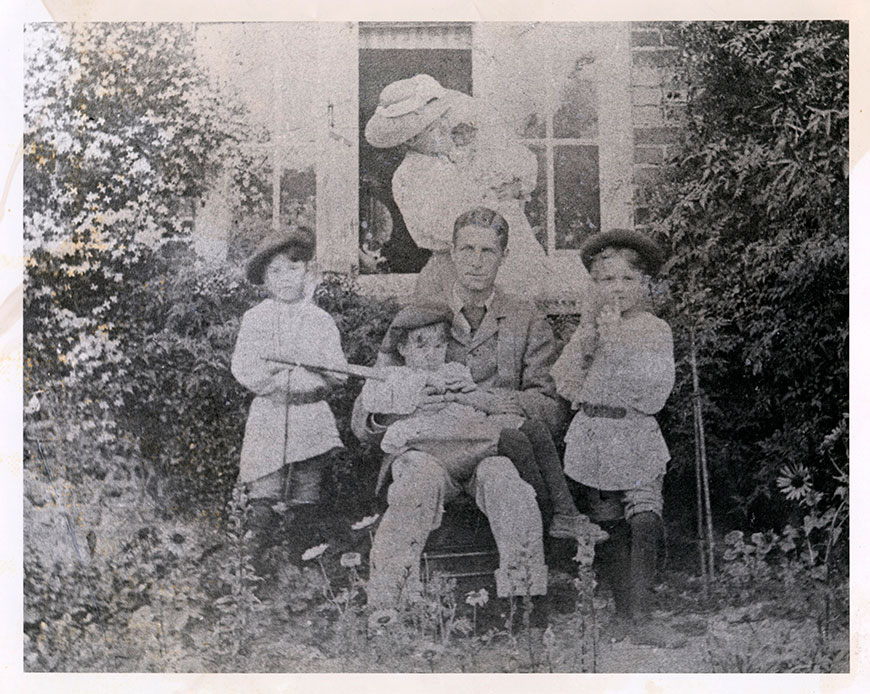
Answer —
122 133
755 212
128 332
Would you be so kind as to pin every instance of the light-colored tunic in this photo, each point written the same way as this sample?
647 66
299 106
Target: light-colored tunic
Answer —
632 369
277 433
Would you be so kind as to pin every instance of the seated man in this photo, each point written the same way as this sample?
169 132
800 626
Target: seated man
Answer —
508 348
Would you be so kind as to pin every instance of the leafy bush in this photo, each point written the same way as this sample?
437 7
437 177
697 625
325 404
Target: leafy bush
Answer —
167 391
122 132
754 209
128 333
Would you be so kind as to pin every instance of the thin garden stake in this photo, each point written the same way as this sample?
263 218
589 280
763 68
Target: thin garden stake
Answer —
702 556
702 452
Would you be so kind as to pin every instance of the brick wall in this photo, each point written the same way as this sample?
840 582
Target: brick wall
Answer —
657 107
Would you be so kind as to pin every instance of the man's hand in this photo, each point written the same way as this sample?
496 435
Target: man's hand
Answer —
500 402
429 397
459 384
456 378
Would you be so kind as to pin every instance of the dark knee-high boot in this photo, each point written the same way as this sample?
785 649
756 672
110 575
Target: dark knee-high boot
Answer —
614 557
646 530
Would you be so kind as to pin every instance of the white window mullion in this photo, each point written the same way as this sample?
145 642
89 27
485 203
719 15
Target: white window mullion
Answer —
551 189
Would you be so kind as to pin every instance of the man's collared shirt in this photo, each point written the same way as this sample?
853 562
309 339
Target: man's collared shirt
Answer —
459 318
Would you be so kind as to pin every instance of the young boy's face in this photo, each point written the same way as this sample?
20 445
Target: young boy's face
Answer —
619 284
425 348
285 278
435 139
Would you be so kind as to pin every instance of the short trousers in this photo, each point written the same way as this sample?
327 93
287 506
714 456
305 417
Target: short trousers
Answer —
607 505
304 485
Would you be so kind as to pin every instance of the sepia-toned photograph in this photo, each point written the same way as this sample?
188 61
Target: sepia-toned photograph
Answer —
436 347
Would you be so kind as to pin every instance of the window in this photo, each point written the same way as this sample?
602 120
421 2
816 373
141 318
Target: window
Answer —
562 90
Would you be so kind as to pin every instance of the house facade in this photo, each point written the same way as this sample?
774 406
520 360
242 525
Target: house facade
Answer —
590 100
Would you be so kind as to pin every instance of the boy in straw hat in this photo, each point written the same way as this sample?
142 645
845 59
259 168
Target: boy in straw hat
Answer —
617 375
290 426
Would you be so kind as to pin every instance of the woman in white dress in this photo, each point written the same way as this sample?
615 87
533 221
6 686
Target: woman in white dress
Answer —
453 164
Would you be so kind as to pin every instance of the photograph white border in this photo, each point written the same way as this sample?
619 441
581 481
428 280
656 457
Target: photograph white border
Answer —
12 19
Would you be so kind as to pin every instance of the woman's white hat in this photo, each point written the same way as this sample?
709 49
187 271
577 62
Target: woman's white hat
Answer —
406 108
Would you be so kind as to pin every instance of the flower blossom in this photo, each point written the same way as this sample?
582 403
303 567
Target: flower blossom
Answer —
366 522
794 482
477 598
314 552
351 559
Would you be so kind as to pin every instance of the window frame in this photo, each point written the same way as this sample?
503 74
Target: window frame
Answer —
338 199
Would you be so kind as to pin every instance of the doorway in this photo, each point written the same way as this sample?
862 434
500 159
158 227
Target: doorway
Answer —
385 245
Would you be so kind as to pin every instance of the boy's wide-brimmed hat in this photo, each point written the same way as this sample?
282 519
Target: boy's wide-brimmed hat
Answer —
298 243
406 108
650 252
410 318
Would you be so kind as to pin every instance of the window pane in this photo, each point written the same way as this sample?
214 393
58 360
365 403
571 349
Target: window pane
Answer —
298 195
577 115
577 212
536 206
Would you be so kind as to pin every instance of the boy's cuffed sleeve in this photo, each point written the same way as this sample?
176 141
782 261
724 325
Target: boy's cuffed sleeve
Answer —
397 395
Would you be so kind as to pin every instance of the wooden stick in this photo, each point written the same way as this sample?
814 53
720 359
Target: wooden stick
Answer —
346 369
702 450
700 503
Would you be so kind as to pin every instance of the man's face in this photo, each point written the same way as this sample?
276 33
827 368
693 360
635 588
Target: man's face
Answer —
477 256
285 278
425 348
618 283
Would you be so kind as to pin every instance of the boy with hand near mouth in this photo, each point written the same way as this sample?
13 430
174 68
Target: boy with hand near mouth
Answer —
617 375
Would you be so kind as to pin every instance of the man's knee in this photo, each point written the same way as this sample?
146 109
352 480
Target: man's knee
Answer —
511 438
416 476
497 469
499 473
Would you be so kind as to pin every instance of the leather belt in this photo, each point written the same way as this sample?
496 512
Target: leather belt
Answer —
603 411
